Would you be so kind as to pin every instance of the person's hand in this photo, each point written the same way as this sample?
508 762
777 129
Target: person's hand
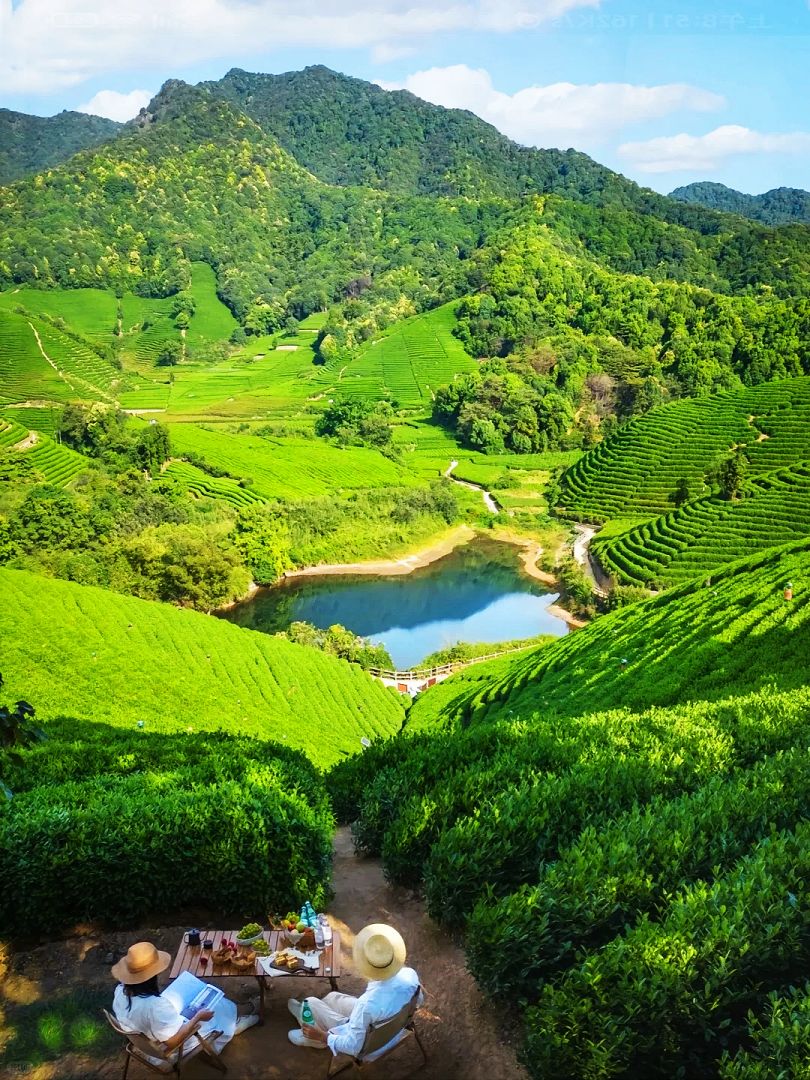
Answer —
313 1032
204 1014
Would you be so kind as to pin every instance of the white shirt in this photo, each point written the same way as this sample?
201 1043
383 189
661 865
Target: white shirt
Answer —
155 1017
381 1001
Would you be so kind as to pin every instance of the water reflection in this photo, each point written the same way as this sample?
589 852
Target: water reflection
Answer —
476 593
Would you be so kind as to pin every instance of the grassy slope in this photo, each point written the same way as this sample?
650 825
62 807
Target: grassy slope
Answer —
211 321
85 652
688 644
289 468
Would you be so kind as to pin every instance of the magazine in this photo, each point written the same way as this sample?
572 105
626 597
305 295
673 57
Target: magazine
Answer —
189 994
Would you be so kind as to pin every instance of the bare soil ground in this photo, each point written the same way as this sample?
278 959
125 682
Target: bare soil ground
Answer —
42 1036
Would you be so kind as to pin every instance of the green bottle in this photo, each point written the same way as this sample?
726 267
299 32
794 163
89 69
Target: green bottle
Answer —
306 1014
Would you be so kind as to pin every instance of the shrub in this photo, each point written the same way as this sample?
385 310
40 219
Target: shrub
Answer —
111 848
664 999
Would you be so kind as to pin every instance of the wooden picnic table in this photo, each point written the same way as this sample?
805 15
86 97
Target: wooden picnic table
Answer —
188 959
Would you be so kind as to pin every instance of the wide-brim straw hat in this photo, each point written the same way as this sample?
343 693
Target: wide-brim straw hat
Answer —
379 952
142 961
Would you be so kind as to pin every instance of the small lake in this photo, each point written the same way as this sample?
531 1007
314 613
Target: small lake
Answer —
479 592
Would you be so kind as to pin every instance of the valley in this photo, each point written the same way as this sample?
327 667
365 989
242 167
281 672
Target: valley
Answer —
301 380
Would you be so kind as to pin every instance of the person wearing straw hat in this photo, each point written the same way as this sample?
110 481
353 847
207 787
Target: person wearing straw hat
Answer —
139 1005
341 1021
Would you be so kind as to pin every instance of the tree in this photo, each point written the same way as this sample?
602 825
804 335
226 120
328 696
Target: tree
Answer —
16 731
170 354
682 493
731 475
264 544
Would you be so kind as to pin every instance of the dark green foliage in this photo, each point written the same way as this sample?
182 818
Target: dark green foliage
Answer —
731 475
357 421
780 1040
775 207
340 642
630 866
668 997
29 144
227 823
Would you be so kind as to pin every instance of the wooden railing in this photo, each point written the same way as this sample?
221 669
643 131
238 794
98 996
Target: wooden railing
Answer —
416 674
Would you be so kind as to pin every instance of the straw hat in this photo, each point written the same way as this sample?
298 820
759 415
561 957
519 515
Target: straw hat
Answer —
379 952
142 961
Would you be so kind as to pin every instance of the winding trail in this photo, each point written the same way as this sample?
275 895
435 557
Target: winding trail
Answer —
582 554
489 502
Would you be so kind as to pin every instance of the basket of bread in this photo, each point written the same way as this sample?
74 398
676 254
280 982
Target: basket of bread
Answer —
244 960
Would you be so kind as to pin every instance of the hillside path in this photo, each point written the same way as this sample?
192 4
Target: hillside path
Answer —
489 502
457 1026
582 554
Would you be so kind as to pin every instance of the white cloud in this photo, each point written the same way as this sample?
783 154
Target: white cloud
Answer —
559 114
47 45
706 153
116 106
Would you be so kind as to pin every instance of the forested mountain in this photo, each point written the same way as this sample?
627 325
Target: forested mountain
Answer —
603 279
776 207
191 179
31 143
348 131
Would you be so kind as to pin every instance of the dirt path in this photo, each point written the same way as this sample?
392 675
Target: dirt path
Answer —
582 555
31 439
456 1025
489 502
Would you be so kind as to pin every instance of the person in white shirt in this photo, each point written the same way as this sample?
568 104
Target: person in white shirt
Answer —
140 1007
342 1021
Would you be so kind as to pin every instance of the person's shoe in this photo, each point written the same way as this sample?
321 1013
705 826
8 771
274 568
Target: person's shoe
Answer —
298 1038
245 1022
295 1006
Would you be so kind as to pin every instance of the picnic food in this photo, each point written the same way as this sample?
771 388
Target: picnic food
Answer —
287 962
301 927
260 947
306 942
248 931
244 961
222 955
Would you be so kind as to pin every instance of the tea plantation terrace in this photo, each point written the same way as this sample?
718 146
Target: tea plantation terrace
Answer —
82 651
636 471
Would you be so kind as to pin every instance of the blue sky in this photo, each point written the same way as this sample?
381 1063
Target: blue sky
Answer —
664 92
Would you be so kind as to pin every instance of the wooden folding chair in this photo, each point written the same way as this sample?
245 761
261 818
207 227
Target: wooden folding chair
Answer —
156 1057
379 1035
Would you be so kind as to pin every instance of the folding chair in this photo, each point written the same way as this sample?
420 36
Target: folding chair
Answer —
156 1057
379 1035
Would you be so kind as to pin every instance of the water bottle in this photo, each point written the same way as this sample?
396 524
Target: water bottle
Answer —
306 1014
319 933
327 932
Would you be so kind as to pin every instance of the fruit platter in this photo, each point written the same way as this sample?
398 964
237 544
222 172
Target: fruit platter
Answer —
248 934
294 930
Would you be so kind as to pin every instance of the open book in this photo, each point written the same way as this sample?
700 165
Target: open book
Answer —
189 994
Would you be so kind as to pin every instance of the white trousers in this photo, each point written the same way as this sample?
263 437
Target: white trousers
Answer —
331 1010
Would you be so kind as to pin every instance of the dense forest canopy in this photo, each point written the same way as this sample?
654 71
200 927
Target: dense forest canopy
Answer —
29 144
775 207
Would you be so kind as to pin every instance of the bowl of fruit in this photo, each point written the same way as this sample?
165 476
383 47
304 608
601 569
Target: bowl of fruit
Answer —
248 934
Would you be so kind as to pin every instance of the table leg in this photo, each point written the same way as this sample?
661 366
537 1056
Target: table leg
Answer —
333 982
260 979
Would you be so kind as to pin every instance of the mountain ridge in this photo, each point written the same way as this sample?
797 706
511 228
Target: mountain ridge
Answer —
778 206
31 143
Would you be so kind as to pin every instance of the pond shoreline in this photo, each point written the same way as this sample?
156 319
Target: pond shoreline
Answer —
530 551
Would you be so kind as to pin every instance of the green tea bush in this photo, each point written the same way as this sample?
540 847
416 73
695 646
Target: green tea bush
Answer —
111 848
612 875
666 998
781 1041
79 750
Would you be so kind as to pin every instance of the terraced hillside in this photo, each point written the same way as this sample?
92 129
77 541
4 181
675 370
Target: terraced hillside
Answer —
693 642
288 468
693 541
636 472
410 360
52 462
80 651
25 374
